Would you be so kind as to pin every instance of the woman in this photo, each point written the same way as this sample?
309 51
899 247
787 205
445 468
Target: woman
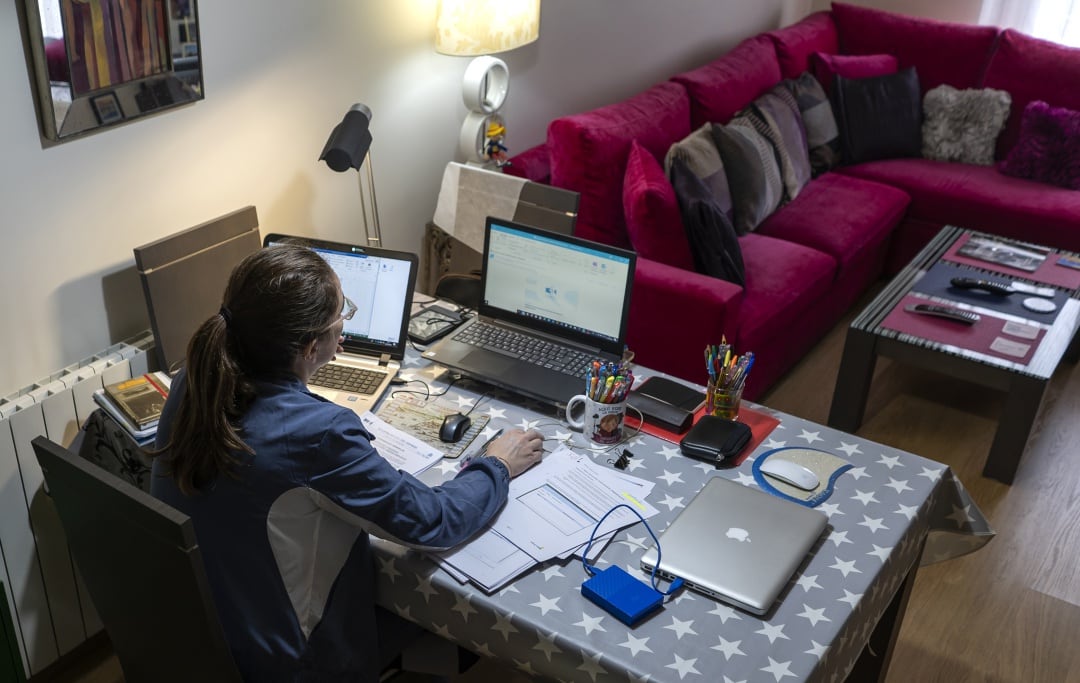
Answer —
284 487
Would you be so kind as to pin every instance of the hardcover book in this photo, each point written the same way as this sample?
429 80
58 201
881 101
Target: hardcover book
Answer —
140 398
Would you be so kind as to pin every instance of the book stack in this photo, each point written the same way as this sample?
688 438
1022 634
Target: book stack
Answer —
135 404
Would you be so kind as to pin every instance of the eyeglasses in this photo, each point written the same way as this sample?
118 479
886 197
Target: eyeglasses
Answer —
348 309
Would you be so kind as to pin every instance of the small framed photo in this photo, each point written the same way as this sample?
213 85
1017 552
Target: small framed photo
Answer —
107 108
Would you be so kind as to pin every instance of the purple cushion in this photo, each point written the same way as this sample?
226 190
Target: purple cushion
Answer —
1048 150
653 221
794 44
980 198
726 85
585 148
1032 69
943 52
839 215
826 67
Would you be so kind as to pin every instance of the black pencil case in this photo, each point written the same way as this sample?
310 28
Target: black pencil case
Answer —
714 439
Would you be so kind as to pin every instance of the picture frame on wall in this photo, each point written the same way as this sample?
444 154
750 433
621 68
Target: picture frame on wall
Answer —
107 107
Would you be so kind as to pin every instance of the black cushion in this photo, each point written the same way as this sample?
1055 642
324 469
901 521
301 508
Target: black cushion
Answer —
880 117
711 235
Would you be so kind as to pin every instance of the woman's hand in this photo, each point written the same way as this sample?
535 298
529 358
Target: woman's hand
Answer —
519 450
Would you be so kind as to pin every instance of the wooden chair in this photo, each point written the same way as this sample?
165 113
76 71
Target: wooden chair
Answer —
141 564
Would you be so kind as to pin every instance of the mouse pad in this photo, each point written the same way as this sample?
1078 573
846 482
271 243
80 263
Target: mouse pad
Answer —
423 419
825 465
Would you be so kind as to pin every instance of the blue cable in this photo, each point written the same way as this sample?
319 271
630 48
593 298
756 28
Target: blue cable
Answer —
591 571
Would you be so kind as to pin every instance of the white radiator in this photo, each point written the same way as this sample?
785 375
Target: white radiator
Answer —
49 604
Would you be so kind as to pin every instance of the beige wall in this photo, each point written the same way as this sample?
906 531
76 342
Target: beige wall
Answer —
278 77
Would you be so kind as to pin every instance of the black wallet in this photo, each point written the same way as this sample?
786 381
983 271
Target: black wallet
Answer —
714 439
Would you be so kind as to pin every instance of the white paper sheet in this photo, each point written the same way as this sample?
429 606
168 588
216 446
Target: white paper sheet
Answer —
403 451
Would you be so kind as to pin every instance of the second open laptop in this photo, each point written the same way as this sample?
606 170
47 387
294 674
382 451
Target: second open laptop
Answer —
737 544
380 282
550 304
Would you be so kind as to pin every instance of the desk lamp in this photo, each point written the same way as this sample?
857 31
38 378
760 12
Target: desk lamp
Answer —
483 27
348 147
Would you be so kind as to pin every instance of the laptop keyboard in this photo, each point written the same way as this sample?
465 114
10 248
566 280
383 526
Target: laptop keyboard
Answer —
347 378
564 359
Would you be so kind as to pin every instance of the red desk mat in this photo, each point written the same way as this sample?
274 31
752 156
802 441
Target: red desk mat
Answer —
977 337
1049 273
760 424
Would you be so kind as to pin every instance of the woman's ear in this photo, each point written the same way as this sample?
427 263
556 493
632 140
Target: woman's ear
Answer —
310 350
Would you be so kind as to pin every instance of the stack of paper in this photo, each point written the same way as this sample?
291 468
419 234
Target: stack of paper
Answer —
551 512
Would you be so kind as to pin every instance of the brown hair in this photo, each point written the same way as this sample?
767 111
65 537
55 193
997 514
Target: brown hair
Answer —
277 300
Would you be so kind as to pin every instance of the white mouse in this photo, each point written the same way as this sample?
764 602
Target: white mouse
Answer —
790 472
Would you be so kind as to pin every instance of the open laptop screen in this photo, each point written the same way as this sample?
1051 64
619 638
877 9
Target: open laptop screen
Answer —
571 287
378 281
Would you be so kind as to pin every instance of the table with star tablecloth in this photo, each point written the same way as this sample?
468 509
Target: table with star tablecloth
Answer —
840 613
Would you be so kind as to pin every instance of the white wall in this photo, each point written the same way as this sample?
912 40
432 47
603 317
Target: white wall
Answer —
966 11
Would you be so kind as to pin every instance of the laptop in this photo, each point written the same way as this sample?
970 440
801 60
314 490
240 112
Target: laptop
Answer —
737 544
550 304
380 282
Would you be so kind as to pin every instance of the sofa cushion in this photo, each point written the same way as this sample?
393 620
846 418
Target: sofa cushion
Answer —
653 221
943 52
822 135
826 67
839 215
782 279
698 151
726 85
1048 150
794 44
1032 69
753 174
879 117
586 148
963 125
776 116
712 238
981 198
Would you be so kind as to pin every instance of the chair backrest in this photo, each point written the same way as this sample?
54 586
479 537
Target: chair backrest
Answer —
141 564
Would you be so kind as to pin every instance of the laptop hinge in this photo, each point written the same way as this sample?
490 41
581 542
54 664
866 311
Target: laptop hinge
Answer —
384 359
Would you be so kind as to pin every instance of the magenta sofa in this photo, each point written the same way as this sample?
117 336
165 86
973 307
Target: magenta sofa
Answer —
815 256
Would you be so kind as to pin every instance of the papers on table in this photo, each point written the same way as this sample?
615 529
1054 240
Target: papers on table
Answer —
551 512
403 451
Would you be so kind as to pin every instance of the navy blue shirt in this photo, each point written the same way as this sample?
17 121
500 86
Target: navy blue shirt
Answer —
286 543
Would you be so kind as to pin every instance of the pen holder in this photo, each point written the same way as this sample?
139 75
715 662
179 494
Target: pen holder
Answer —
723 401
601 422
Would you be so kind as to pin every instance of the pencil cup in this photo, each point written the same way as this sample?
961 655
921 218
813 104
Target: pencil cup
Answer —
725 401
601 422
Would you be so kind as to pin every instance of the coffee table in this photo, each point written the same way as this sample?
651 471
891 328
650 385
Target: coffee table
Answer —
1010 348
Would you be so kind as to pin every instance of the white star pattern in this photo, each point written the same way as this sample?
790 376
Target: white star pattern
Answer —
865 497
962 516
671 502
496 413
527 424
634 464
906 510
857 473
636 645
849 448
681 628
389 568
810 437
670 477
448 466
525 666
668 452
898 485
546 604
552 572
464 401
725 612
873 524
839 538
808 582
880 553
830 509
463 605
773 443
818 650
845 568
773 632
590 624
850 598
684 666
745 478
730 648
423 586
813 615
632 541
591 665
932 475
546 644
890 461
778 669
503 625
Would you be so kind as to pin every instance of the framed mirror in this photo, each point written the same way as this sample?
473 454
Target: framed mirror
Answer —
100 63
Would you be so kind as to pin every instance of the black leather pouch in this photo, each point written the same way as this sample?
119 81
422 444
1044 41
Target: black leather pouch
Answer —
714 439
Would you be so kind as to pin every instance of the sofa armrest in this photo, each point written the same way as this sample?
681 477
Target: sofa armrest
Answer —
675 313
532 164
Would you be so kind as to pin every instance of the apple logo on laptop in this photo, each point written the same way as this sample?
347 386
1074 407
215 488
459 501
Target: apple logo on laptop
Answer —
740 535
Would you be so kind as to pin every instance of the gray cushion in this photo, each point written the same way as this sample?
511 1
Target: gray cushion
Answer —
752 171
776 116
822 135
712 238
963 125
698 151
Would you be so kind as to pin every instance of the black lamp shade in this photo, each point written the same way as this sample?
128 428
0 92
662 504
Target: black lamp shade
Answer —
349 141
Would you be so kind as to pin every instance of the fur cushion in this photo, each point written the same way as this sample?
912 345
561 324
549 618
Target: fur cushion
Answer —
963 125
1048 150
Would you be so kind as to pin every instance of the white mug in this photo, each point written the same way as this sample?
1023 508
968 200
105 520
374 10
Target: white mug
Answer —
601 422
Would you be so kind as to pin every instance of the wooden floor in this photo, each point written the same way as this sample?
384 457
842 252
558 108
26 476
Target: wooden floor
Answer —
1009 613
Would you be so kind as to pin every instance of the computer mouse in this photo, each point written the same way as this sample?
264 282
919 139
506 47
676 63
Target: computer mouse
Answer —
454 427
790 473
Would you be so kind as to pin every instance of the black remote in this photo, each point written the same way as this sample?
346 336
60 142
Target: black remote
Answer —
990 286
947 312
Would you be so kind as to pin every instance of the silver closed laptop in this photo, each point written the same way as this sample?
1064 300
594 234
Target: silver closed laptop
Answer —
737 544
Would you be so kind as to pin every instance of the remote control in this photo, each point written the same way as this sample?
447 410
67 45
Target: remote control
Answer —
999 288
947 312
